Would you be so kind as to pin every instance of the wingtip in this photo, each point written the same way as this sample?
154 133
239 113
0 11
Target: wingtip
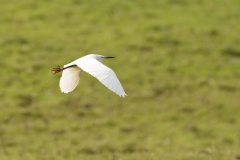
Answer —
123 96
65 92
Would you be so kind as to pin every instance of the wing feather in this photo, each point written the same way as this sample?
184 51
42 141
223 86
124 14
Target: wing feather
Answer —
103 73
70 79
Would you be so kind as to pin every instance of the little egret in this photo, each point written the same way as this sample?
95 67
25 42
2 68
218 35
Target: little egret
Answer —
92 64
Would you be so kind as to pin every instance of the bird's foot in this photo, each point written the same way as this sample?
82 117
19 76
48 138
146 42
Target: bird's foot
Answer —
57 69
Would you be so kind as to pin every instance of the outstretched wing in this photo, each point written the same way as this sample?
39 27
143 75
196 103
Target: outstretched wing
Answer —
104 74
70 79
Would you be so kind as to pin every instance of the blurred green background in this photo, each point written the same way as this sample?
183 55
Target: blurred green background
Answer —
178 61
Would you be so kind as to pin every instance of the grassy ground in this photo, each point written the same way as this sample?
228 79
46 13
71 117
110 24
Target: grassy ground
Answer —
178 61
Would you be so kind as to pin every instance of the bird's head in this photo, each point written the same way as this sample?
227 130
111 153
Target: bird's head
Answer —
100 57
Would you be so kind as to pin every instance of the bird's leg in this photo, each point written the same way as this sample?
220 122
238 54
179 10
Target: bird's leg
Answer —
58 69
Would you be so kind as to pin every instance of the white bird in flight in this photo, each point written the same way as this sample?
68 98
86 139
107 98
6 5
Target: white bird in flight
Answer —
92 64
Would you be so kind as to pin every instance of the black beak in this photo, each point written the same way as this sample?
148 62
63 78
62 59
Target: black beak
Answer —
108 57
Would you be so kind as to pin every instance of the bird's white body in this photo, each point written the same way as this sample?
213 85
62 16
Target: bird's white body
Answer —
91 64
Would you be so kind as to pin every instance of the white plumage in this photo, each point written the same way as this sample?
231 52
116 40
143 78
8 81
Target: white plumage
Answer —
70 79
91 64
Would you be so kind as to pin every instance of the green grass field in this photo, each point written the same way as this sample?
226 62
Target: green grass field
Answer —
178 61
